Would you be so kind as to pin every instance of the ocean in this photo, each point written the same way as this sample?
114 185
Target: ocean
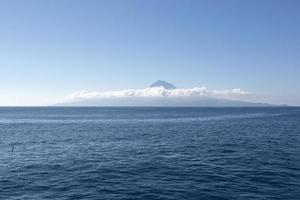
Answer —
149 153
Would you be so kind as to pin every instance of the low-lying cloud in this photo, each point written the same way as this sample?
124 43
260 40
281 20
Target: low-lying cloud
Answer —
156 92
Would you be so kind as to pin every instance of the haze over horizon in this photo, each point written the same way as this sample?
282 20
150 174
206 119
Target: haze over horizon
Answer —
51 49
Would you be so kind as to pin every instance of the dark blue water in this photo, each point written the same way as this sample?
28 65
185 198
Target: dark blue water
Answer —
150 153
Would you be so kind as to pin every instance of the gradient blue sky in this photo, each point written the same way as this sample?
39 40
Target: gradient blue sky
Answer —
49 49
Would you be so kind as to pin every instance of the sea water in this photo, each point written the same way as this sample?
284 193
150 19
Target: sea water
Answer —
149 153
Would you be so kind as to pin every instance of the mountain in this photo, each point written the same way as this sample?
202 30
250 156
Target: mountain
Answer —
160 93
164 84
165 101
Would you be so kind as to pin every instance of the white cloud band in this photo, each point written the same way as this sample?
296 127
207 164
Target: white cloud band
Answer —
156 92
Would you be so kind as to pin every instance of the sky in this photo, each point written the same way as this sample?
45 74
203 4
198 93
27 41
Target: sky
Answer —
51 49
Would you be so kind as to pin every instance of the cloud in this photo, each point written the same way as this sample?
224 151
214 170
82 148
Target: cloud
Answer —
156 92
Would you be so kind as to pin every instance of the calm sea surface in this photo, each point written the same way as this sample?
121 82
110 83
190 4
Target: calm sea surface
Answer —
149 153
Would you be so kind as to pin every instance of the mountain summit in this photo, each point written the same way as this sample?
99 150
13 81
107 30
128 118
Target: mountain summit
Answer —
164 84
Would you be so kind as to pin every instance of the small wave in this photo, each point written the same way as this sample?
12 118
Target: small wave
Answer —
133 120
212 118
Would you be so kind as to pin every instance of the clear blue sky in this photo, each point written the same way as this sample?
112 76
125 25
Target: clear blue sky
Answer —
49 49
